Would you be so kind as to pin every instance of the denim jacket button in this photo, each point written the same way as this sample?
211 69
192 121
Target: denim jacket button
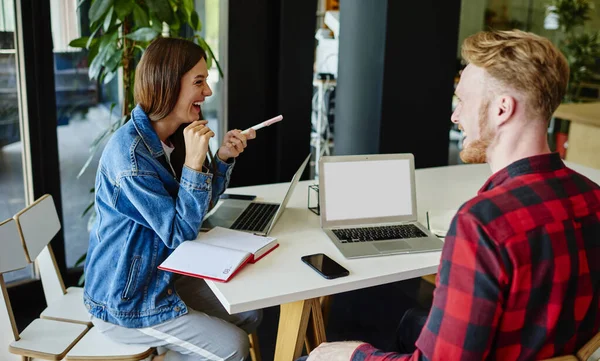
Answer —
207 181
169 291
177 309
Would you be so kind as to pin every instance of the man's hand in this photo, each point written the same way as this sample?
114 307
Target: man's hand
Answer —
336 351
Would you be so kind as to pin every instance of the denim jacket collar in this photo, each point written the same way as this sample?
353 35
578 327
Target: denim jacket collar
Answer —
143 126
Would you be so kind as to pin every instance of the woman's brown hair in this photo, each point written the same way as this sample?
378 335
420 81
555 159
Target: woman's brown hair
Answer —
158 83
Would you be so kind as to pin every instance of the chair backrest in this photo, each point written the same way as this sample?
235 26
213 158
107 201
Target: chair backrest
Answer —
12 252
591 350
12 257
38 224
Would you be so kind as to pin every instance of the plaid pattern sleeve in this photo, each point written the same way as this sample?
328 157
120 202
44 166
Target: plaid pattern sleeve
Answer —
516 279
467 301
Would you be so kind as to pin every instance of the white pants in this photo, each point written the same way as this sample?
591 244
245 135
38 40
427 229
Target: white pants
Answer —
206 333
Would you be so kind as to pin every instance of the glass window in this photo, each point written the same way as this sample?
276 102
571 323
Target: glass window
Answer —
209 13
12 185
81 118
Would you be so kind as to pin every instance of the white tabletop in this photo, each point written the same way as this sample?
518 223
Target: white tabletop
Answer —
281 277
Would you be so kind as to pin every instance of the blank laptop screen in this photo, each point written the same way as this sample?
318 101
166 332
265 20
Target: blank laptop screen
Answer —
367 189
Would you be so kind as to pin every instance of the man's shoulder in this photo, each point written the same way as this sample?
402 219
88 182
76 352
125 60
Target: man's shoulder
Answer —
518 205
495 212
486 206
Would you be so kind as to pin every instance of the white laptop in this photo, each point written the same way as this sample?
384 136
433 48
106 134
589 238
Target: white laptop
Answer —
251 216
368 205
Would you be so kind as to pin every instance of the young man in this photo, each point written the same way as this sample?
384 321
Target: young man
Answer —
519 275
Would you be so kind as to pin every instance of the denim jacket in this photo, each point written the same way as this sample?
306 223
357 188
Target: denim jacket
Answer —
143 214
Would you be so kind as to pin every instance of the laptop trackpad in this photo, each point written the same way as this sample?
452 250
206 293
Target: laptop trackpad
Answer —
392 246
230 211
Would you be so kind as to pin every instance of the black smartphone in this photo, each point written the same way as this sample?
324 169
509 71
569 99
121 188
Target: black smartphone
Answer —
246 197
325 266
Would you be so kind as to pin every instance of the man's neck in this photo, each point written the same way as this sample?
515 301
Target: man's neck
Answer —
515 144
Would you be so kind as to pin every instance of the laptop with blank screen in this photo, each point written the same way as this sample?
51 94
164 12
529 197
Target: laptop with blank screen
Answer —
252 216
368 205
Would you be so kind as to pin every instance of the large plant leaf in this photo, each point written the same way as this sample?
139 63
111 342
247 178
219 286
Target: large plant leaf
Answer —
79 42
195 21
108 19
95 66
140 17
91 38
108 46
93 51
162 9
108 76
188 7
113 62
98 9
179 19
123 8
143 34
210 54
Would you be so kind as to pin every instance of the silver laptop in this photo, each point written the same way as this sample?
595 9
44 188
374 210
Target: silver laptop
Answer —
250 216
368 205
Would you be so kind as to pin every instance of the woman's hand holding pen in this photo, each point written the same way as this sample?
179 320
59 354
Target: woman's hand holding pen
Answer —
196 137
234 143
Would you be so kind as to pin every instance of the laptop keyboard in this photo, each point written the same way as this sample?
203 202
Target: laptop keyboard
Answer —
255 217
369 234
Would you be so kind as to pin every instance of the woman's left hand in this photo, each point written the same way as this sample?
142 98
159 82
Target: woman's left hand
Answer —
234 143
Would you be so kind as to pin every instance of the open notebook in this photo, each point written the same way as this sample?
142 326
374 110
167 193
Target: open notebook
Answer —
218 254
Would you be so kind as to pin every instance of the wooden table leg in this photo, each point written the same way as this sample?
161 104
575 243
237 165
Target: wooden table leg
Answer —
293 321
315 333
326 302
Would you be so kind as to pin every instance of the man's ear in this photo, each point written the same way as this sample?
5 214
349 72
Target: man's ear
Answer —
505 107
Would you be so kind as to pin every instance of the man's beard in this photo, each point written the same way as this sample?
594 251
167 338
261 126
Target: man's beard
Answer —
476 151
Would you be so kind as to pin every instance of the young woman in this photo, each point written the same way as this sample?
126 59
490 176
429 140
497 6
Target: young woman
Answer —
156 180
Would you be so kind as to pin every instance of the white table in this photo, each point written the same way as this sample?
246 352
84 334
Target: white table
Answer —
583 146
281 278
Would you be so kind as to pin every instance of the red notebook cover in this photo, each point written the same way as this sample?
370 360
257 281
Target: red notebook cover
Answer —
214 259
211 278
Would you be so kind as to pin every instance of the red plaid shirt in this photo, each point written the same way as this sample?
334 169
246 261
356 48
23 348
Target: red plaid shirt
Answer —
519 277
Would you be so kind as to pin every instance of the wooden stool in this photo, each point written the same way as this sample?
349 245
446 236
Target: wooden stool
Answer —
254 348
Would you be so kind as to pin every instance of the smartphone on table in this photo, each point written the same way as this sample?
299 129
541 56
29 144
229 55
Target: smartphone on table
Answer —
325 266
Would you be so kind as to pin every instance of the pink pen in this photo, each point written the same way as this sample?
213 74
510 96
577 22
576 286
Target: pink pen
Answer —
266 123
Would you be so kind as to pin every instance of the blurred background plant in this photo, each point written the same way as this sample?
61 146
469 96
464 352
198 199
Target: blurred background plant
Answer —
580 46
